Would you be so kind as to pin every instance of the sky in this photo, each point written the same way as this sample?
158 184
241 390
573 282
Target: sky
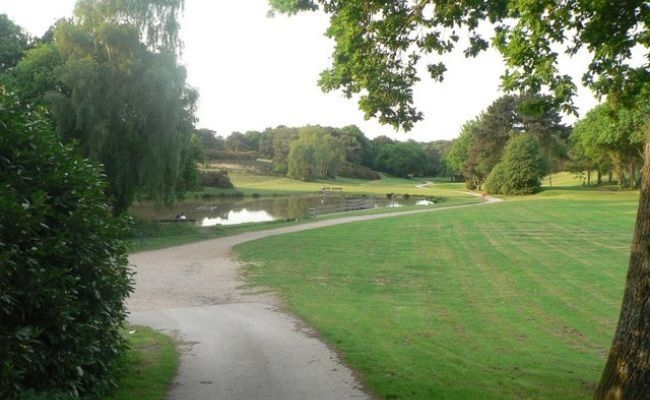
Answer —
254 72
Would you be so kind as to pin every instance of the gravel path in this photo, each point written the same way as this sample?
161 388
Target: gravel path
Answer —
236 344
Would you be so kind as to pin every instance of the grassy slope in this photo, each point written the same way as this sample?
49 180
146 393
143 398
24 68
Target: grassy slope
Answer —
511 300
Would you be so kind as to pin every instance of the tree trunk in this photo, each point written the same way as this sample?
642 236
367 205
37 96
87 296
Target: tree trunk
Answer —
627 371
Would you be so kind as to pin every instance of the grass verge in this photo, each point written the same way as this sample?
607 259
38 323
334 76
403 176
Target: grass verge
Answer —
152 363
512 300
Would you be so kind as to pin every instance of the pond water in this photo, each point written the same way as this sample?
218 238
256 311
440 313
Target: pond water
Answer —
245 210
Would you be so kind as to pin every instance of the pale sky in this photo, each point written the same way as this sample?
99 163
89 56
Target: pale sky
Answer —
254 72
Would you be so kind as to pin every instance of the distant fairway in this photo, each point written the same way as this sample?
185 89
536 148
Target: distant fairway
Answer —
514 300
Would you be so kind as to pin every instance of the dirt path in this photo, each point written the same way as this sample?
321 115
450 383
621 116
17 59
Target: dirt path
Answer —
236 344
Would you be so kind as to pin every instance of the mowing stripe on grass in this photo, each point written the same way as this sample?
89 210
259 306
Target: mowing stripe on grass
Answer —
514 300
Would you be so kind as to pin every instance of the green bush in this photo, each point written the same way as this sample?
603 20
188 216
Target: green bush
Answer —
63 269
498 181
520 170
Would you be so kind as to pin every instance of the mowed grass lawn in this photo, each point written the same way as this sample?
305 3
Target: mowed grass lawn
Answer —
513 300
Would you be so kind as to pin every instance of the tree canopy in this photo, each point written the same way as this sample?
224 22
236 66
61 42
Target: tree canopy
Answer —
124 100
315 154
481 144
403 159
379 46
155 21
613 135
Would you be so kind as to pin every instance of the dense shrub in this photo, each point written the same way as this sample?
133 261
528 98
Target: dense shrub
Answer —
63 270
216 179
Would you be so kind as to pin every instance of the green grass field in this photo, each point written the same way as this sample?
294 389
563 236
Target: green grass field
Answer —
513 300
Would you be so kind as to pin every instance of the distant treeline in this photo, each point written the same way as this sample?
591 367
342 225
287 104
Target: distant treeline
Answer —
316 152
507 148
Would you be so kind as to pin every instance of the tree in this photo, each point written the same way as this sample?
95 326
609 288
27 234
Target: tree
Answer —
504 118
282 138
35 78
265 144
376 145
377 49
64 275
435 152
520 170
354 141
615 134
191 157
154 21
582 159
125 101
483 140
402 159
13 43
253 140
237 142
315 154
212 144
457 158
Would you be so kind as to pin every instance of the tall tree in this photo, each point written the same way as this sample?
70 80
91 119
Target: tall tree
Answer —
505 117
282 138
155 21
377 48
237 142
583 157
376 144
402 159
457 159
125 101
315 154
615 134
494 127
436 152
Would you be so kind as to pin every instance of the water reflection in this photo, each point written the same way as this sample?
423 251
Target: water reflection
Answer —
238 217
246 210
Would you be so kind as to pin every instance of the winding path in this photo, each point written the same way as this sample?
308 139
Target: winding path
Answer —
237 343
